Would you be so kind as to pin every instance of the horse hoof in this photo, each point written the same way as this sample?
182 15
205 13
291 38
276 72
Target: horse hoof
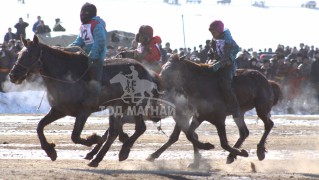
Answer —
230 159
51 152
124 154
261 155
208 146
94 139
193 166
150 158
261 152
93 164
88 157
244 153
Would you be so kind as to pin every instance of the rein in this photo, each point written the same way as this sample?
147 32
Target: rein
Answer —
49 77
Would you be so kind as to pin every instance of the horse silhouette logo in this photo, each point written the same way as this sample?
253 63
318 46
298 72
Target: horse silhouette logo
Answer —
134 87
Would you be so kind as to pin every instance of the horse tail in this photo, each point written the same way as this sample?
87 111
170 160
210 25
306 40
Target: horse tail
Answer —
278 96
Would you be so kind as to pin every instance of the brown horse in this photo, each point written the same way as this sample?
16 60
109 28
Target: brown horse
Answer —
199 85
66 80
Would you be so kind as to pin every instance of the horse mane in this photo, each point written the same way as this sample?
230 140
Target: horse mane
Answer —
198 68
60 53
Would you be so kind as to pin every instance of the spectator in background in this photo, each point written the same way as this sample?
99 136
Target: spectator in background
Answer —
21 26
42 28
293 53
9 36
57 26
203 54
314 74
36 24
242 60
164 56
168 48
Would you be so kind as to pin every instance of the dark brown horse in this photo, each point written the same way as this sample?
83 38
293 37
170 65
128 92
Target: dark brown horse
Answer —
199 85
66 80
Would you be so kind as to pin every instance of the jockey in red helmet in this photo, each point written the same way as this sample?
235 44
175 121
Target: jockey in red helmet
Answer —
148 51
224 50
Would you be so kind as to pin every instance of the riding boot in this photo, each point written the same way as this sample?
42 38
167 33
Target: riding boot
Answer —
94 84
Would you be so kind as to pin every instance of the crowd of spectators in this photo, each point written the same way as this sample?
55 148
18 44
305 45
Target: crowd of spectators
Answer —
296 69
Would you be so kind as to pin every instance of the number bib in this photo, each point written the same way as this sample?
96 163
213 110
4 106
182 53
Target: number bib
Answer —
86 34
220 47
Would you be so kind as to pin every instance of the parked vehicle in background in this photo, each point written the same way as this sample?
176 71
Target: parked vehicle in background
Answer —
223 2
194 1
309 4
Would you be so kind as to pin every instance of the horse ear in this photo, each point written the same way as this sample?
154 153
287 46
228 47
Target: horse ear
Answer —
175 57
24 41
35 39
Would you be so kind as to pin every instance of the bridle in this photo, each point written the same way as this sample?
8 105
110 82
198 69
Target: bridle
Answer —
38 60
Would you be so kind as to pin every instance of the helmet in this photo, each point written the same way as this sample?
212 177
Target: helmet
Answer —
217 25
145 31
88 11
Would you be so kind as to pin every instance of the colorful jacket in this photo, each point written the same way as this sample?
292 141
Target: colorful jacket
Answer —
92 38
149 53
228 42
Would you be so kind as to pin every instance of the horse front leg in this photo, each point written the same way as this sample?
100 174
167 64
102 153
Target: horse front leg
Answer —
140 128
221 129
192 138
172 139
243 134
52 116
80 121
113 132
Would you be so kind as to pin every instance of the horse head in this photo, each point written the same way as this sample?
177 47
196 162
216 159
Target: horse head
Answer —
28 61
173 73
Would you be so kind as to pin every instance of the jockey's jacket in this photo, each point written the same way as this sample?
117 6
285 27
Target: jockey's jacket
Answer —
92 38
150 53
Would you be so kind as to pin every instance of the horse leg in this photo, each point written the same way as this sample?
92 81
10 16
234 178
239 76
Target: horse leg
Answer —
224 142
243 134
80 121
113 132
122 137
172 139
197 155
140 128
191 136
268 125
52 116
97 147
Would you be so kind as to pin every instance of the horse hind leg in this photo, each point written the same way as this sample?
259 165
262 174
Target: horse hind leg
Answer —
113 132
140 128
122 137
268 125
243 134
52 116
